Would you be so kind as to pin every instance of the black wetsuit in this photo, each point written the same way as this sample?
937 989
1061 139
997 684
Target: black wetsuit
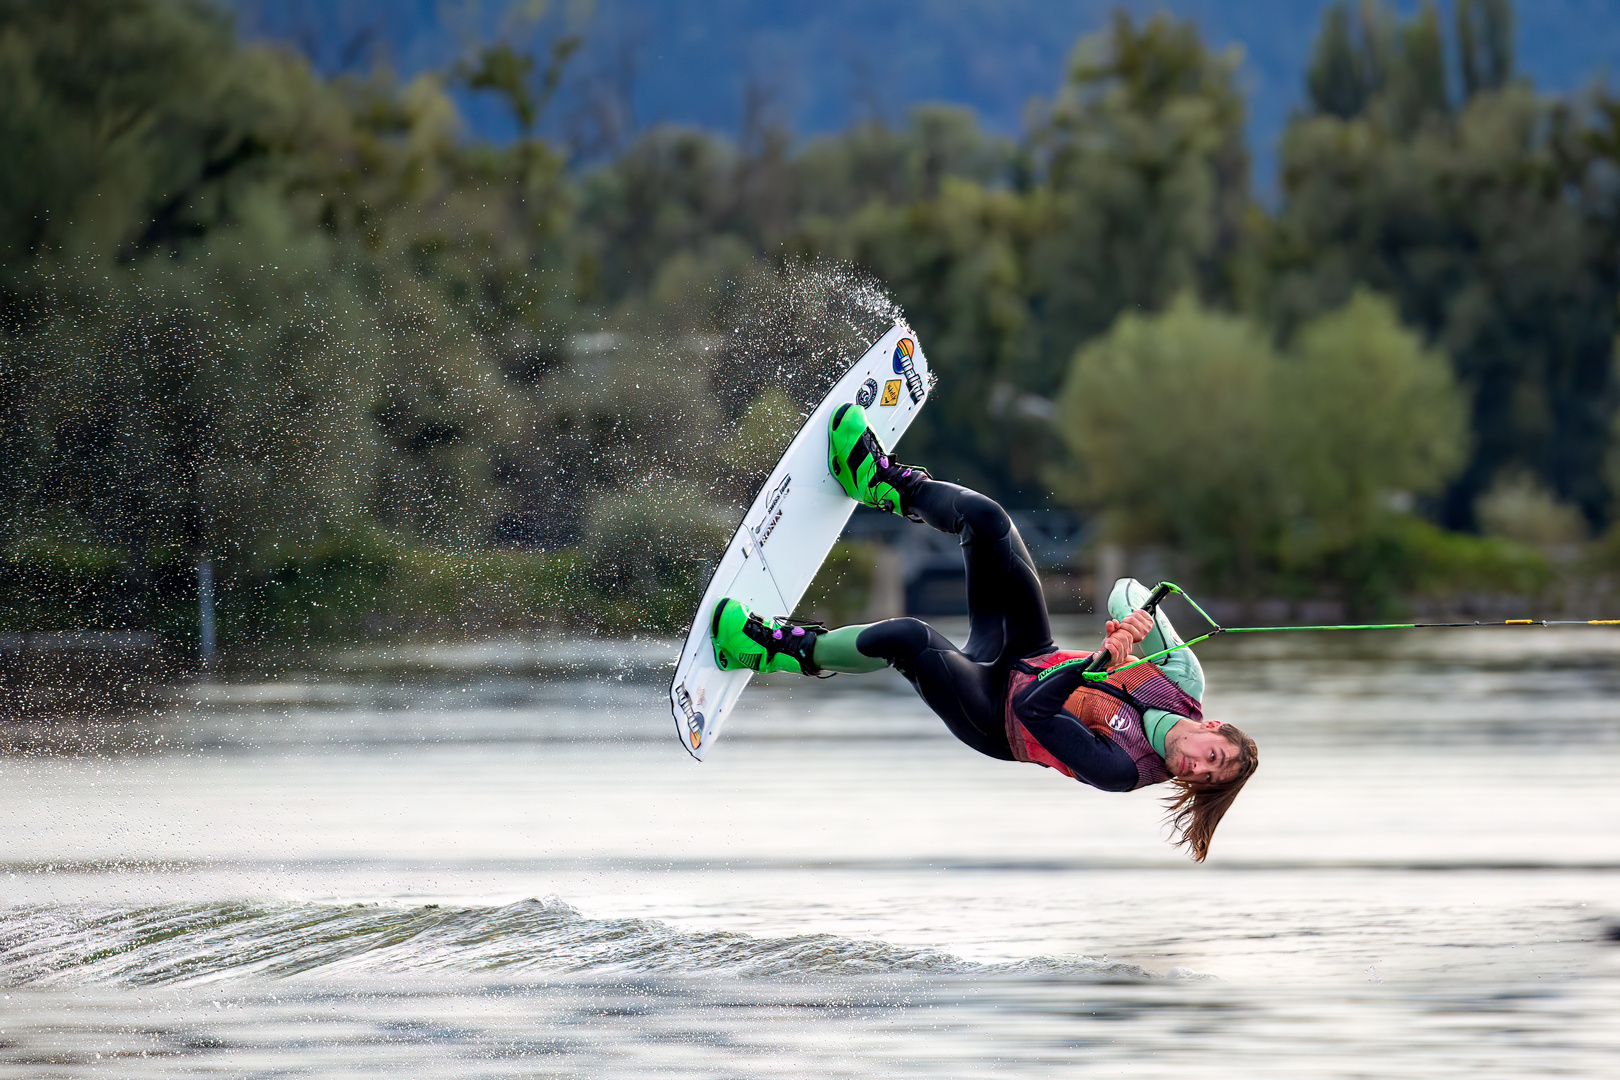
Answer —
1007 621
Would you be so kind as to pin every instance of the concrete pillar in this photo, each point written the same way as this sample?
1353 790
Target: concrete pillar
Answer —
205 610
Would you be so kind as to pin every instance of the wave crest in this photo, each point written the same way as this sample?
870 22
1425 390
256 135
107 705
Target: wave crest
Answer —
203 942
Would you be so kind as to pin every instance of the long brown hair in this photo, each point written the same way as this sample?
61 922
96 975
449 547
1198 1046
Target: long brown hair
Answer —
1196 809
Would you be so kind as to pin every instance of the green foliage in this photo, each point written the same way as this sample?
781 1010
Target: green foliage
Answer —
510 73
1174 436
1147 181
317 590
842 590
954 263
54 583
1133 185
308 327
109 111
1490 225
763 433
1365 411
650 552
1443 563
1370 62
358 585
1401 557
1189 429
841 174
1344 72
1518 508
287 328
1485 44
653 538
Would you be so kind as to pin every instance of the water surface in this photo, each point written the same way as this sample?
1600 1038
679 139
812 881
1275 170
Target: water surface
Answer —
498 861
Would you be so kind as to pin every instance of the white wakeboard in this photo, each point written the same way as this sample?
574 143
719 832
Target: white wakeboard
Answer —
786 534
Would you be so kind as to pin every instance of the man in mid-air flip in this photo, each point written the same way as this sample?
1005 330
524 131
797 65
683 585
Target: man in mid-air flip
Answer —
1009 693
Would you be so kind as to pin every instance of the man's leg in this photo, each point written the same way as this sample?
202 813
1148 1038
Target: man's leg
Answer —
1007 615
836 650
961 692
1006 611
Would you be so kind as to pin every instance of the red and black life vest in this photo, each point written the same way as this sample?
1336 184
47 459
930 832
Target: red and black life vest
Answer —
1112 709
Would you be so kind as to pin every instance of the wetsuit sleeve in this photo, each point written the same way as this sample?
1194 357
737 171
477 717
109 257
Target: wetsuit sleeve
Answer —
1092 758
1181 666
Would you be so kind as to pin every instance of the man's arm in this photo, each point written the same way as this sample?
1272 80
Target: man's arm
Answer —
1181 666
1092 758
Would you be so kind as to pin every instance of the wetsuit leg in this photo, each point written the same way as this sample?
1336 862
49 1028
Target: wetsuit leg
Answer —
965 694
1007 620
1007 616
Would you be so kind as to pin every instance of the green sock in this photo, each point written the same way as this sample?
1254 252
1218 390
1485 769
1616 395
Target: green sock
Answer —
835 651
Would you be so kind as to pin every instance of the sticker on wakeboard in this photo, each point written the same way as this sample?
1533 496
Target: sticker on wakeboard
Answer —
785 536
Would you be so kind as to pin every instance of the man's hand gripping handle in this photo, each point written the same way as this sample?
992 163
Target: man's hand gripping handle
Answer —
1120 636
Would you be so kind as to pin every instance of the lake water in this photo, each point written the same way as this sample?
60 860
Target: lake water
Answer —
497 861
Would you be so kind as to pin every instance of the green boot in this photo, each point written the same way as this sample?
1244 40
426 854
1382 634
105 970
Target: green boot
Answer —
743 639
863 468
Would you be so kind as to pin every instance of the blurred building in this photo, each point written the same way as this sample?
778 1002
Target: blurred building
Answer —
927 564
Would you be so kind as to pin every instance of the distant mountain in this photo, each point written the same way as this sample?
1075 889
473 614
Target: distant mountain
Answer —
816 64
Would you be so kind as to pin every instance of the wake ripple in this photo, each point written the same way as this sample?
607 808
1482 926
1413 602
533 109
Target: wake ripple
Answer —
203 942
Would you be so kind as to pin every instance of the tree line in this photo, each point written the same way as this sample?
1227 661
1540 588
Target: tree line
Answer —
376 367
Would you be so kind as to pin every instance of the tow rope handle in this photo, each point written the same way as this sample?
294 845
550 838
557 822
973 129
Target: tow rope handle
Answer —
1099 659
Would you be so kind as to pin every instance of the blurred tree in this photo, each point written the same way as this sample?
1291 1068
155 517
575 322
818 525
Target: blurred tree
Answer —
1145 185
1189 429
873 162
1519 508
1369 59
955 264
1368 418
670 191
1348 61
1421 76
110 112
1170 423
510 73
924 208
244 308
1132 186
1491 226
306 323
929 210
1485 44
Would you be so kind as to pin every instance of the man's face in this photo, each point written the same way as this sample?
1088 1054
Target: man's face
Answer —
1203 756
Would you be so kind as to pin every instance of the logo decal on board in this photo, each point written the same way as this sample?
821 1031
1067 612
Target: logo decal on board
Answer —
694 719
773 511
904 350
868 394
891 392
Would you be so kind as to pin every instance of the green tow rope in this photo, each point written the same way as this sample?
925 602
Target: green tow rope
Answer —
1167 587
